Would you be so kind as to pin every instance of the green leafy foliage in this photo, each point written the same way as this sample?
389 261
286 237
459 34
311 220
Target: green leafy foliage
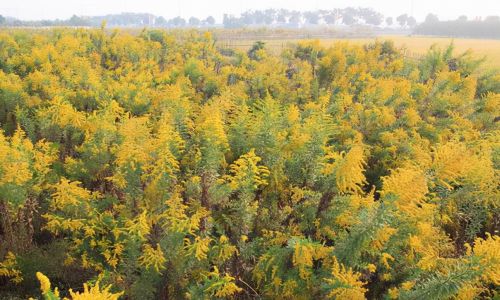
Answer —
162 167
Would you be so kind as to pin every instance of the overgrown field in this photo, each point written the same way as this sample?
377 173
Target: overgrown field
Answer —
415 46
153 167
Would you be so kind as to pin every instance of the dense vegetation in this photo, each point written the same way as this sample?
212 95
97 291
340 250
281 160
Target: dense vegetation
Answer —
155 167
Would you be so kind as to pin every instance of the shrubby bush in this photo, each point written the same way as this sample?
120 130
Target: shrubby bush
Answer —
160 167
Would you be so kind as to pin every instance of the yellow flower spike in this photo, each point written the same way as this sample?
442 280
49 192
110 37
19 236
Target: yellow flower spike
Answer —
393 293
488 250
94 293
371 268
348 169
408 285
152 257
345 282
223 239
385 259
44 282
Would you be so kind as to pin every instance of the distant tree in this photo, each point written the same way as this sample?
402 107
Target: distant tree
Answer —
295 18
431 18
348 19
210 20
259 17
462 18
402 20
2 20
412 22
145 19
389 21
161 21
282 16
312 17
194 21
370 16
269 16
330 18
375 19
226 20
77 21
178 22
231 21
349 15
248 18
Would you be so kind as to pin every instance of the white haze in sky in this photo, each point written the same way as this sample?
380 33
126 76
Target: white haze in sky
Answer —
63 9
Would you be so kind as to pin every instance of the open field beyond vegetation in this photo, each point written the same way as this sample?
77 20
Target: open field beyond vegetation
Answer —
416 45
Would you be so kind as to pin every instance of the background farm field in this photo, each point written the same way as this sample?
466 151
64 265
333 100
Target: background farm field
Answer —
415 45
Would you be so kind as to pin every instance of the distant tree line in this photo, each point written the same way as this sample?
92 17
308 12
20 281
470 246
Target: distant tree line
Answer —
73 21
462 27
487 28
276 17
270 17
115 20
405 21
290 18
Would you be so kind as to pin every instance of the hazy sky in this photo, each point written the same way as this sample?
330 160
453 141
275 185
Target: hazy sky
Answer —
63 9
